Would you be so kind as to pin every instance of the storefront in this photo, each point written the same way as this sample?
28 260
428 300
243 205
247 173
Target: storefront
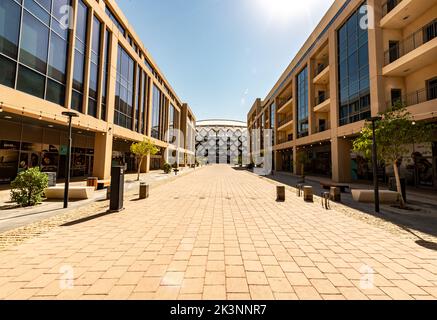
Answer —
319 160
24 146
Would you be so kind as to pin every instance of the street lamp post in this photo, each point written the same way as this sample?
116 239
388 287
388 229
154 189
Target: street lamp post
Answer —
70 116
375 163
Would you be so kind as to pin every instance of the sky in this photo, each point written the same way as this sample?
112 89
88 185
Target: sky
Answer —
220 55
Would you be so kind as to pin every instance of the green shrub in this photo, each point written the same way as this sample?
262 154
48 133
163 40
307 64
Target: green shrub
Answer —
28 188
167 168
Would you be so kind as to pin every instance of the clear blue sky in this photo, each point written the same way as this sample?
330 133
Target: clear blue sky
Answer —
220 55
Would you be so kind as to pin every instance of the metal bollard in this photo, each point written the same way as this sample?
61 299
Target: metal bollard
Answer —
325 200
280 193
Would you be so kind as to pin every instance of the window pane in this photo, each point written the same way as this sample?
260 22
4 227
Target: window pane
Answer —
57 58
34 43
55 92
60 8
92 108
7 74
76 101
30 82
82 16
38 11
78 70
9 27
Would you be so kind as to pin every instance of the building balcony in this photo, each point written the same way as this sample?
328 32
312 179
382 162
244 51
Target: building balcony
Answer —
322 103
417 97
322 127
283 104
285 139
399 13
413 53
322 78
285 123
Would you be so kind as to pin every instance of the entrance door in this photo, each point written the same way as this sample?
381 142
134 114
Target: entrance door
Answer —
90 165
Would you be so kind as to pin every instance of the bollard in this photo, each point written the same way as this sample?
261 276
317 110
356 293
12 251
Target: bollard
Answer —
92 182
335 194
280 193
325 200
299 190
144 191
308 194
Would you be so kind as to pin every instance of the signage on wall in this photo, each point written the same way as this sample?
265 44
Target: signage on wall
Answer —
63 150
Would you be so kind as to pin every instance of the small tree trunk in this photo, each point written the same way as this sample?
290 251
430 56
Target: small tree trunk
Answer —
139 168
398 185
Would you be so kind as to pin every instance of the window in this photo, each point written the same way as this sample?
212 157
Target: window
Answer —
34 43
156 111
30 82
353 71
105 75
94 68
396 96
393 50
124 90
431 86
137 98
302 103
145 98
430 31
10 13
43 48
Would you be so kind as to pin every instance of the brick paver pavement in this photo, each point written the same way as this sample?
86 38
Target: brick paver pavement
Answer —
219 234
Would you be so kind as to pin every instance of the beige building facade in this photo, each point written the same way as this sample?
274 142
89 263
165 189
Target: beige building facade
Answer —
360 59
82 55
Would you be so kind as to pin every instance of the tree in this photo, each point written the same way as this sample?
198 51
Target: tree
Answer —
28 188
394 133
143 149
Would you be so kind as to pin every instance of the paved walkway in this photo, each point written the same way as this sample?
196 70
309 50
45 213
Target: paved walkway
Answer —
219 234
12 217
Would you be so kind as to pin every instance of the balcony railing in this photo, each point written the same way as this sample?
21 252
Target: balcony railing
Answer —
417 39
322 97
323 127
419 96
285 120
389 6
321 66
282 102
285 139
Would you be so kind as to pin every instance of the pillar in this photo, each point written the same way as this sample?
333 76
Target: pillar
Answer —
341 160
102 156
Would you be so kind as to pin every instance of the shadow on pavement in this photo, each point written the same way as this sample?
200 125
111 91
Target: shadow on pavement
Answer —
83 220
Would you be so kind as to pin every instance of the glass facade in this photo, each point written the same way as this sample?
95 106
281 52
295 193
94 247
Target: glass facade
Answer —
79 56
124 90
302 103
105 75
156 112
94 68
34 41
353 70
137 99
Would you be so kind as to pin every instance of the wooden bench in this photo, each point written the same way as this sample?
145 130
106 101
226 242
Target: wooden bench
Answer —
368 196
103 184
74 193
328 185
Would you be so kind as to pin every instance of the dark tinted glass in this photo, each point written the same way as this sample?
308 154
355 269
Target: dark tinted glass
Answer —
34 43
30 82
57 58
55 92
7 74
76 101
9 27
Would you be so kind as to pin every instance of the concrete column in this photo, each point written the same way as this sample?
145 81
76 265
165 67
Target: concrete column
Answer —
341 160
311 95
102 156
333 79
376 62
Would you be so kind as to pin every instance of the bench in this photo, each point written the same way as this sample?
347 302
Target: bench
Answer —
328 185
368 196
75 193
103 184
